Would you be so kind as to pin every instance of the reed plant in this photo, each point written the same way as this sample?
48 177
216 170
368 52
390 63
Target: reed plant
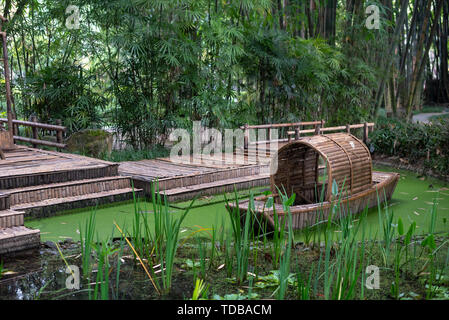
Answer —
202 257
304 284
241 238
229 255
285 259
118 268
200 290
141 234
172 227
213 247
104 250
386 229
278 238
160 243
430 246
86 241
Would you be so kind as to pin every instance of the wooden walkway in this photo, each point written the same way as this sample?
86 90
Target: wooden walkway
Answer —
184 181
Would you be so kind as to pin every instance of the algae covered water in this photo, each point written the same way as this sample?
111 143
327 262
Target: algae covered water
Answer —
412 200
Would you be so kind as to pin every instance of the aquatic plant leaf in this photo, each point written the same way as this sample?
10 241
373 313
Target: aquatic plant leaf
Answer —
410 232
400 227
334 188
191 264
236 296
429 242
290 201
269 203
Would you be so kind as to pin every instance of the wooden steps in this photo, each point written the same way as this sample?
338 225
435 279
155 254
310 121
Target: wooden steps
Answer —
55 174
216 187
45 200
14 236
38 183
18 238
26 167
10 218
4 201
66 189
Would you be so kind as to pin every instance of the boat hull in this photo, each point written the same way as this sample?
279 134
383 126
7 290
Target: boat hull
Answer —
384 184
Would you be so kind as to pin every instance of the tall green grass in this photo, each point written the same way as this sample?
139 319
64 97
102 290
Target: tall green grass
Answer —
285 259
241 238
159 243
87 233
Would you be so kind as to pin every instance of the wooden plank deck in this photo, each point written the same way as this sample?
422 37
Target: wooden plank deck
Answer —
183 181
24 160
24 167
163 168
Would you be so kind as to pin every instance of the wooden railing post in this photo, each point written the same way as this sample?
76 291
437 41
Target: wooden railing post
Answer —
59 137
245 137
317 129
365 133
297 132
15 128
348 128
34 130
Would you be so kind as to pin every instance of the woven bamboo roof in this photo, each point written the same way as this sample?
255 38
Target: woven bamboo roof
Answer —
346 159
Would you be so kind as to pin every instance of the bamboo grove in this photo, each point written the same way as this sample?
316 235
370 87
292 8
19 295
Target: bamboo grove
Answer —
146 66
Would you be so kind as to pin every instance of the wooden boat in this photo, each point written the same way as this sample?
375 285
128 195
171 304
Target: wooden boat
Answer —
322 171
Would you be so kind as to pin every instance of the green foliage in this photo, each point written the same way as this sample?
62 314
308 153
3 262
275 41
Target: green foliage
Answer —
86 242
63 92
242 228
200 290
145 67
415 142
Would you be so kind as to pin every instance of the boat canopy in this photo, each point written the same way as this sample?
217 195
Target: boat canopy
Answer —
316 168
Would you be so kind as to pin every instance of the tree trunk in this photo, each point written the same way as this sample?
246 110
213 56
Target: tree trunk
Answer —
422 54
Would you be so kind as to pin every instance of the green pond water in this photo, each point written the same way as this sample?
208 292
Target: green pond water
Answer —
412 201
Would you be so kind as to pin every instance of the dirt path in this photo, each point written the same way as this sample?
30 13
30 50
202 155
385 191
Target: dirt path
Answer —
425 117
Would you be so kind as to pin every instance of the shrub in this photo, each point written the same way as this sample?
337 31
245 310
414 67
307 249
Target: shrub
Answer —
419 143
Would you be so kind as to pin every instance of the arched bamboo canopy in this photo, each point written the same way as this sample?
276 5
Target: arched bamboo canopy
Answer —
298 168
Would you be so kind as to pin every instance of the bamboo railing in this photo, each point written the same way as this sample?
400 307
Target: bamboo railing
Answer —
34 139
299 130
